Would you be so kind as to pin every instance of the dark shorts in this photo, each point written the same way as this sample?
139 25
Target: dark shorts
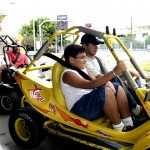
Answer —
90 106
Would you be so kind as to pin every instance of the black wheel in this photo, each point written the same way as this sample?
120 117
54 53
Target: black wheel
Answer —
26 128
9 101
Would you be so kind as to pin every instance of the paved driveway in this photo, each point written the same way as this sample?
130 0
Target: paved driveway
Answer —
50 143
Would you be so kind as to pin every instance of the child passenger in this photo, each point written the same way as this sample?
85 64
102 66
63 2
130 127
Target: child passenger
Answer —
91 99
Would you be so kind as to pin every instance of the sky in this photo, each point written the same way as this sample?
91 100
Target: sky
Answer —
100 13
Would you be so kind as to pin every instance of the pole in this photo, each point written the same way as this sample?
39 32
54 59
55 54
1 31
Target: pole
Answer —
131 25
41 31
56 47
61 42
34 39
144 43
33 21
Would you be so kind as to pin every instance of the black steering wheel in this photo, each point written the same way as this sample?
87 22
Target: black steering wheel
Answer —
22 66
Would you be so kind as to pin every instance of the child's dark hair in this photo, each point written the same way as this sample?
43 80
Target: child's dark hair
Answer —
73 50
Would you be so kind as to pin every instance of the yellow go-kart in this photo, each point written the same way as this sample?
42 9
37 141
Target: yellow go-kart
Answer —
47 109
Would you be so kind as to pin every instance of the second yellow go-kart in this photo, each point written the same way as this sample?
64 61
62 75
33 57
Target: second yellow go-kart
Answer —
47 109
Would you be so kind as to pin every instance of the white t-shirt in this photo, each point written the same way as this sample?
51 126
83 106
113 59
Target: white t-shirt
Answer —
72 94
2 62
93 66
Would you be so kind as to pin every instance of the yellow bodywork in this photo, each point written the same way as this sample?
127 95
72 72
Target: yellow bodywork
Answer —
46 97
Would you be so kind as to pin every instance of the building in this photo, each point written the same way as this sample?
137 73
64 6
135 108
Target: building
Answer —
139 32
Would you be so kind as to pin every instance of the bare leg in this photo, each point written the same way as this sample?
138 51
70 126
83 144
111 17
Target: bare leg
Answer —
0 76
110 107
111 86
122 103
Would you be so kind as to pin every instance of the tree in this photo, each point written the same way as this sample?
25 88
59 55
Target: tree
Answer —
27 32
147 41
128 39
136 44
48 29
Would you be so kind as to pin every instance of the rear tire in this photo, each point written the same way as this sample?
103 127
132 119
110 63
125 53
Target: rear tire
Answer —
26 128
9 101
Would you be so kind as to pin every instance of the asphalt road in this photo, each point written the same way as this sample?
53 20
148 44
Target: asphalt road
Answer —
51 143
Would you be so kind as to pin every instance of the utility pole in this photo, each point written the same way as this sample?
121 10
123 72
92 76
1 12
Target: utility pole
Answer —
34 39
131 25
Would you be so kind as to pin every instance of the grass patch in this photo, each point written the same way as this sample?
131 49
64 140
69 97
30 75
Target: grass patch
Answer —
145 66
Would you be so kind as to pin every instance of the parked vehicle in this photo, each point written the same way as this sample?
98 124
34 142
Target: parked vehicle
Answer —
7 92
10 93
47 109
148 49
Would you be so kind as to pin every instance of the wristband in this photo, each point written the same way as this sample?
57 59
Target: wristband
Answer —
113 73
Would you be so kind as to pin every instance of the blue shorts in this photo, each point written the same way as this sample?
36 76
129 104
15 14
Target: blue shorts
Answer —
90 106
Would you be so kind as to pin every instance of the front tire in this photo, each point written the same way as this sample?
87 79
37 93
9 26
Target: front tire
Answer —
26 128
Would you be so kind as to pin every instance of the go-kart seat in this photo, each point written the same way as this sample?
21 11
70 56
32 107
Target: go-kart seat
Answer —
58 95
56 74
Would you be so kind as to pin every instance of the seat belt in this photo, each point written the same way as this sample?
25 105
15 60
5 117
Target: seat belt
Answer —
16 59
67 65
104 71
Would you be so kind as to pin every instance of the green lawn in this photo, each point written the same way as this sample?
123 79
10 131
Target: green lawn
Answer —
145 66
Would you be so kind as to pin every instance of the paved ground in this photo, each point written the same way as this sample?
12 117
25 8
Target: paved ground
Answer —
6 143
50 143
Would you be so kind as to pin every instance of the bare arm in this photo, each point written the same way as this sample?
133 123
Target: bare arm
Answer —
79 82
133 73
91 75
100 75
2 67
11 64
